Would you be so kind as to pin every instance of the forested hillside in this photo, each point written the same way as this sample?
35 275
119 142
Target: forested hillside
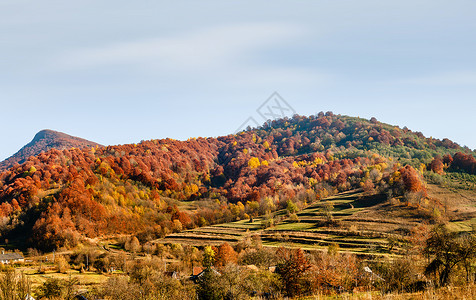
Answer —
156 187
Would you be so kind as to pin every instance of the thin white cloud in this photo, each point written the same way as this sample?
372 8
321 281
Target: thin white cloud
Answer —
191 51
279 76
229 55
442 79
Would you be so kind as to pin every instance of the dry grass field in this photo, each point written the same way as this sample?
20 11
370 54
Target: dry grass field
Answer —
446 293
85 280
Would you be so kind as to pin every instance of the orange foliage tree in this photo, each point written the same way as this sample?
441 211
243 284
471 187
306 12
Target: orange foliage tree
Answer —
225 255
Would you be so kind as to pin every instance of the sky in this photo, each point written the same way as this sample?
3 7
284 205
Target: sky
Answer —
118 72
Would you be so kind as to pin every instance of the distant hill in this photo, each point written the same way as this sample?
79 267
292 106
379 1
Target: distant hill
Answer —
43 141
60 198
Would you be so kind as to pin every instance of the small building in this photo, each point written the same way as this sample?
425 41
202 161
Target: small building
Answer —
371 275
198 272
8 258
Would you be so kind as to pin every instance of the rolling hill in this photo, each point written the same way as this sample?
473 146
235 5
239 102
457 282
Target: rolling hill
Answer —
275 172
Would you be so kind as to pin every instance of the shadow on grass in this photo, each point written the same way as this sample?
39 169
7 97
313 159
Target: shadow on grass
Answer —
368 201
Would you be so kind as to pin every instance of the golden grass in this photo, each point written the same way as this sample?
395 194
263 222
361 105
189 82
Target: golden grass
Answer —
467 292
85 279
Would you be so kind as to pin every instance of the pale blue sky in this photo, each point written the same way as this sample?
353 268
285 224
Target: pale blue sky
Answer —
119 72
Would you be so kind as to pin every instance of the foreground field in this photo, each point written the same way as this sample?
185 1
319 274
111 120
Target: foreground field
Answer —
83 280
447 293
344 236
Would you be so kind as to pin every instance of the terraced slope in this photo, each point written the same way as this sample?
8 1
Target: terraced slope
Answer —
365 225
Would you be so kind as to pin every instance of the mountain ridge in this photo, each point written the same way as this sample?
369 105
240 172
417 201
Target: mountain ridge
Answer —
45 140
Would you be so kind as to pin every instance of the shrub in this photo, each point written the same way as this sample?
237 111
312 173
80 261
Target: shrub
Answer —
62 265
14 285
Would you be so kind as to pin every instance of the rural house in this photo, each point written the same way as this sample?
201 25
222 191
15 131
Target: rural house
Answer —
7 258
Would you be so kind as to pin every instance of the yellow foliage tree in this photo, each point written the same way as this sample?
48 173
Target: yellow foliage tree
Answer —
253 162
32 170
177 226
208 256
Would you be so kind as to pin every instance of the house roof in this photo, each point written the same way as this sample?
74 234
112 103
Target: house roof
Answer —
11 256
196 271
199 271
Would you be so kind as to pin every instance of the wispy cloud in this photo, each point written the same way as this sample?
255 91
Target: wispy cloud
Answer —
231 56
454 78
281 76
206 48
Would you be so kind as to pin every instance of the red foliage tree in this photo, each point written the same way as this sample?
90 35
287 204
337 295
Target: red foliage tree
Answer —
292 269
437 165
411 179
464 162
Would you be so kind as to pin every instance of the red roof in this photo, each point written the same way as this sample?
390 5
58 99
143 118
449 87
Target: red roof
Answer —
197 270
